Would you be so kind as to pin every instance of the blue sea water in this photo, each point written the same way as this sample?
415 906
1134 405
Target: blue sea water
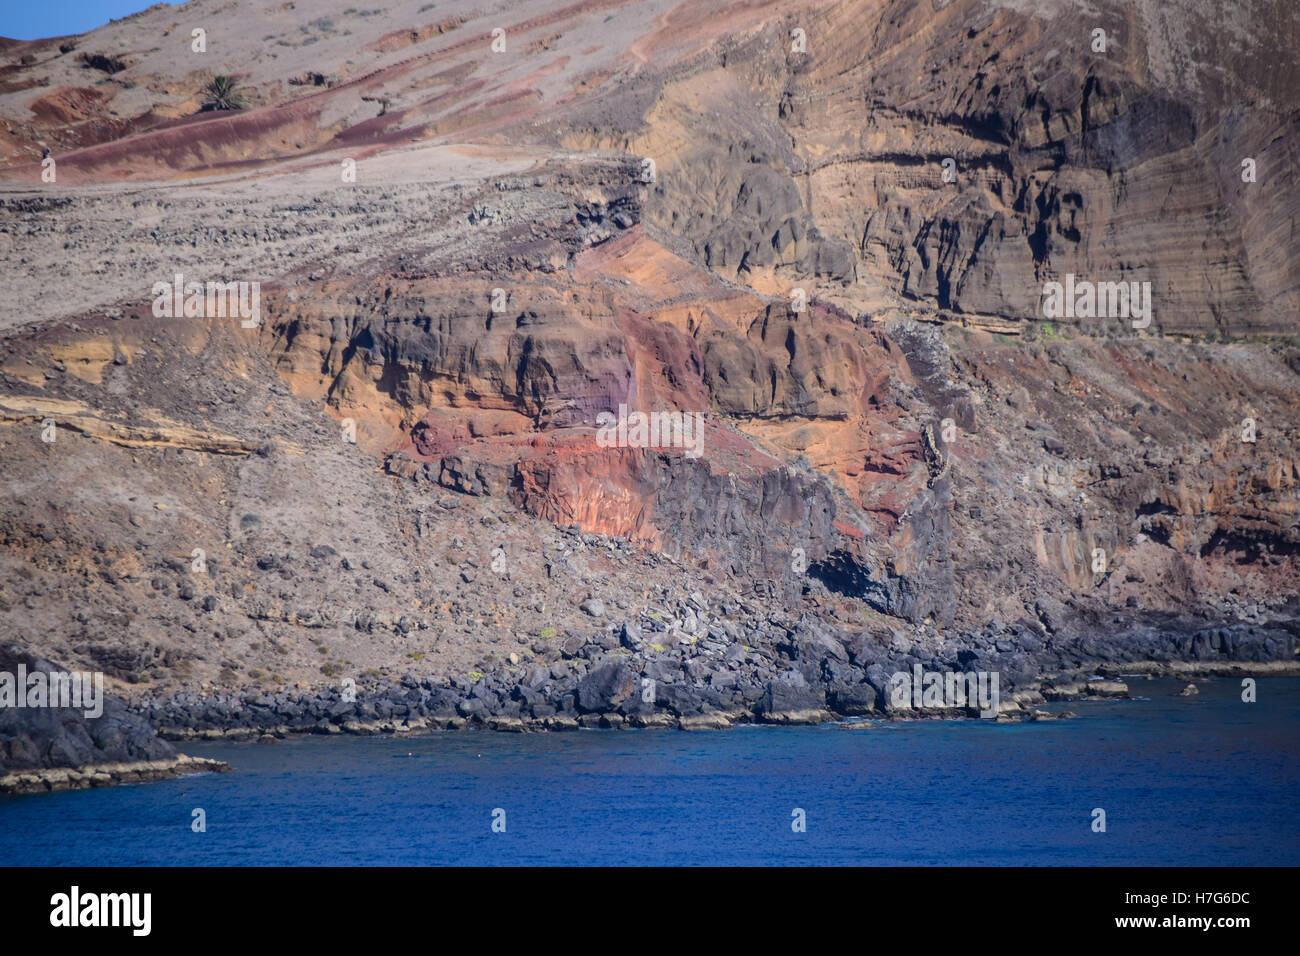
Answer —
1200 780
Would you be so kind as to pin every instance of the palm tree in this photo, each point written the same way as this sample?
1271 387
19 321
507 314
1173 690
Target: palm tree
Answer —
222 94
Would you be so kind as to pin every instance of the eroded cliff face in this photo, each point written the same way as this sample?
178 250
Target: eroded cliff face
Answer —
672 211
1112 158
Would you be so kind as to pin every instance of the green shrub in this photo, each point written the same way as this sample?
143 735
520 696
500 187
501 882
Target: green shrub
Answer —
222 94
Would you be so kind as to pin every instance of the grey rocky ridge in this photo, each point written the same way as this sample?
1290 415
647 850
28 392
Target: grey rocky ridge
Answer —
823 230
66 748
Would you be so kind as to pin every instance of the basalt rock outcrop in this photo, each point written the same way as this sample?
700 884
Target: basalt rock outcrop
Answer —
47 736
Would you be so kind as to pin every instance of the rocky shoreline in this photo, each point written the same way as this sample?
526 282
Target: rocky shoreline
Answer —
811 675
1025 706
53 779
619 677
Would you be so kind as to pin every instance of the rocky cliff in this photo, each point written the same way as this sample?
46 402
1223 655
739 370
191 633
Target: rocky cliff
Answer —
743 217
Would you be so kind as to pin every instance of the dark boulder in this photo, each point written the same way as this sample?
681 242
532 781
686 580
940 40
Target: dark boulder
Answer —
789 693
607 686
852 700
